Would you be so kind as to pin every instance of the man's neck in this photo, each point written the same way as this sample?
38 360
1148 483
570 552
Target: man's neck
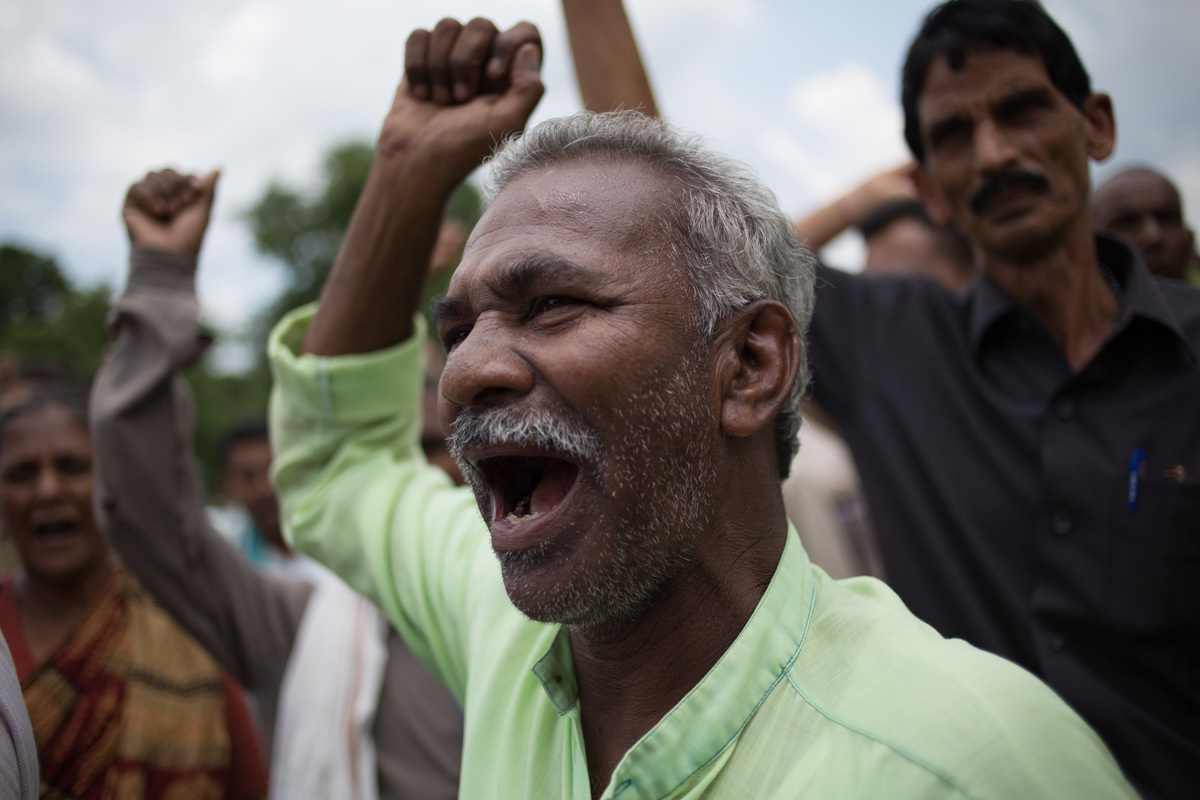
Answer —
1066 291
631 678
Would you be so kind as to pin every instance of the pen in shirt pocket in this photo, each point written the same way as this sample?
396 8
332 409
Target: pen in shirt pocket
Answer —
1137 460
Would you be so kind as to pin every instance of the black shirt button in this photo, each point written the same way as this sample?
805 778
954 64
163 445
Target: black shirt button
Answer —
1060 523
1065 408
1056 641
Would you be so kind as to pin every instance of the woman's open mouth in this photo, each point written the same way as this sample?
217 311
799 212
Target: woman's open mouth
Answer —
55 532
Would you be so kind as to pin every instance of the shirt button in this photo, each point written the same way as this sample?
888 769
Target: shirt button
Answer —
1060 523
1065 408
1056 641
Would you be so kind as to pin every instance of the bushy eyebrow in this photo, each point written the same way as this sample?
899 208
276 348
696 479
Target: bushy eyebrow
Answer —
1007 106
1037 97
522 277
517 280
445 307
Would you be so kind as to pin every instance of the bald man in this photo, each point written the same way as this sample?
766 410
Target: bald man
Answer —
1144 208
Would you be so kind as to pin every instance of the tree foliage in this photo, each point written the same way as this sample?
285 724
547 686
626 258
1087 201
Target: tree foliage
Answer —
302 229
44 319
48 321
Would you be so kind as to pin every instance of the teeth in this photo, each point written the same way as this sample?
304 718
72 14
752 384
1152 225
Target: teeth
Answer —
515 520
521 513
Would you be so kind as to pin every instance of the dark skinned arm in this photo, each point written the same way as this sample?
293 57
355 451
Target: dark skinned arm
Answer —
465 88
825 224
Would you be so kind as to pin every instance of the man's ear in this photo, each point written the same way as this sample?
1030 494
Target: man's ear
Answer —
1101 125
761 357
930 197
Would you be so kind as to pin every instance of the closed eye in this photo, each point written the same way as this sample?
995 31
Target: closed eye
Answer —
555 303
554 307
455 336
20 472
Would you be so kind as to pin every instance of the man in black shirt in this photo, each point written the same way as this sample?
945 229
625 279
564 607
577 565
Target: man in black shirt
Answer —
1031 450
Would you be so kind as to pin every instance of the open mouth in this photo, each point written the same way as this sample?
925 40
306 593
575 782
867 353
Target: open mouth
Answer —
54 531
524 488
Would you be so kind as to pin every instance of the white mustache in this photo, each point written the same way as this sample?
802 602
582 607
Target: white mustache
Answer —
556 432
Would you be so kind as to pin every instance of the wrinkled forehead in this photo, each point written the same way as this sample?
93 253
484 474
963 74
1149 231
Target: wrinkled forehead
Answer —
579 210
984 75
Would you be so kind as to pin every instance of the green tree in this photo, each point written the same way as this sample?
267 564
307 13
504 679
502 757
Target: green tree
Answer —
44 319
221 402
303 229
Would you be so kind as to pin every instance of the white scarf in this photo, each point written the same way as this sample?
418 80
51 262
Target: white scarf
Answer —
324 745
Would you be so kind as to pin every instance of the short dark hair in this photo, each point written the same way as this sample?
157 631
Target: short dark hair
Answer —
248 431
957 26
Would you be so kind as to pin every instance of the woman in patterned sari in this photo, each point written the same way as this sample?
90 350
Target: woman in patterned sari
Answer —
123 703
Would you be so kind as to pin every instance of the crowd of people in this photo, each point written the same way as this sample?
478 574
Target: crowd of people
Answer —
672 509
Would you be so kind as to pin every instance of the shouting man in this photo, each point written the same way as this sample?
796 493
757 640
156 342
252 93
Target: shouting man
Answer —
623 365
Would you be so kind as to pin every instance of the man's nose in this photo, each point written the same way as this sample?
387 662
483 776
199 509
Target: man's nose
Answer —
1148 232
994 150
485 368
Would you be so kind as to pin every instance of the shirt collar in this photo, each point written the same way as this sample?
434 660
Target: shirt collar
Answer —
988 304
712 714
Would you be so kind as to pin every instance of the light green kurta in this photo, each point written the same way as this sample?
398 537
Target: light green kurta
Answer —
832 690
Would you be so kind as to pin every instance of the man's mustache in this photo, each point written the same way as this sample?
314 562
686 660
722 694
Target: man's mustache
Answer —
560 431
1008 179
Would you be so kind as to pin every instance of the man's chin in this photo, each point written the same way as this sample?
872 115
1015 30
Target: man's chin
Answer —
1020 241
541 597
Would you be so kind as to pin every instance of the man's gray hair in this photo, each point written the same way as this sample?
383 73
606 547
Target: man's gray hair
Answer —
727 227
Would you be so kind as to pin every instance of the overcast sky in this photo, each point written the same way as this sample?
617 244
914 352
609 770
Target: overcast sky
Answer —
94 94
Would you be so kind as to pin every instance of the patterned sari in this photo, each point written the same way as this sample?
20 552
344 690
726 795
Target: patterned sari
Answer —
130 707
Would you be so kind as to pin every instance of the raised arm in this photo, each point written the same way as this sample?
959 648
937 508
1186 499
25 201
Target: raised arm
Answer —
607 63
465 88
823 225
354 486
150 496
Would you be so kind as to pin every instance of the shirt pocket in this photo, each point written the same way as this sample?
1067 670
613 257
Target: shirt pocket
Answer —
1154 574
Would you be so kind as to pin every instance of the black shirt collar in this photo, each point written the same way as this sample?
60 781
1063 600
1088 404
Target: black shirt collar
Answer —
988 304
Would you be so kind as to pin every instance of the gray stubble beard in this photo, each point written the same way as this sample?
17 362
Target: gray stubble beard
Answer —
654 541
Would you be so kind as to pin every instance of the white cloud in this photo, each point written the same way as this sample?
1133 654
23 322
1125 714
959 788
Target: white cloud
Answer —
845 127
93 94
